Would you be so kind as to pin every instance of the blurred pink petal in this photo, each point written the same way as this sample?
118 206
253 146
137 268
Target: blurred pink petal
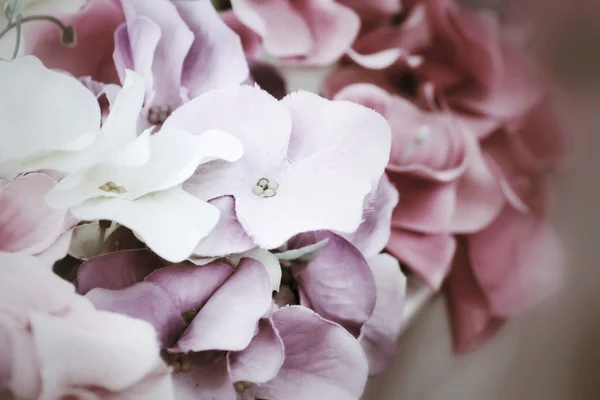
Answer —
322 360
429 256
379 335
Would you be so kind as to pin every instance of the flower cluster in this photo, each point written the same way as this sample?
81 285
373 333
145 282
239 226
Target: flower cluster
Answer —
175 225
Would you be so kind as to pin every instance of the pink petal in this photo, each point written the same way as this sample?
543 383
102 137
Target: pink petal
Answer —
117 270
471 319
261 360
284 30
58 250
27 285
190 286
322 360
374 8
517 260
216 58
338 282
379 335
323 192
207 379
251 42
429 256
92 56
320 123
95 350
26 223
367 95
374 232
263 129
174 44
143 301
228 237
229 319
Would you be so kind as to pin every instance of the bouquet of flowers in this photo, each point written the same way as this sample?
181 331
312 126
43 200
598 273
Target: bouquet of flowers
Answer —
178 221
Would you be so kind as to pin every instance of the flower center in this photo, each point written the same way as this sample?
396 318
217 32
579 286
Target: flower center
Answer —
189 315
157 115
265 188
241 386
420 137
180 362
111 187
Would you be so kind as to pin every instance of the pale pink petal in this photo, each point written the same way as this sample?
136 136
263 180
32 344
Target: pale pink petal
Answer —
261 360
323 192
117 270
190 286
251 41
320 123
58 250
228 237
337 282
322 360
229 319
216 58
95 350
264 130
284 31
379 335
26 223
429 256
143 301
207 379
471 319
374 232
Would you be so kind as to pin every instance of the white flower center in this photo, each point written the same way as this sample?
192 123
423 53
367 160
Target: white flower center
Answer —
157 115
240 386
265 188
180 362
111 187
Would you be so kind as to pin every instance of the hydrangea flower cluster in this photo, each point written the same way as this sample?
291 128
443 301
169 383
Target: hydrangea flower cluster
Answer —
175 225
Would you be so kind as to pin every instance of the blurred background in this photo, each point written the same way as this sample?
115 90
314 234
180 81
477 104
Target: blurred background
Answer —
553 352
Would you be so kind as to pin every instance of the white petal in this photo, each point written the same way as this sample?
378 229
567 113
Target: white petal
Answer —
85 240
171 222
174 156
42 110
268 260
302 252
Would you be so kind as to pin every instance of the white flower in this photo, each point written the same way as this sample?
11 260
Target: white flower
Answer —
149 199
51 121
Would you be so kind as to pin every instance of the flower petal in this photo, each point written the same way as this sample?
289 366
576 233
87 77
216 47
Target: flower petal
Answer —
27 224
338 283
322 360
116 270
75 350
323 192
263 129
518 261
207 379
268 260
171 222
228 320
319 123
216 58
471 319
429 256
379 335
32 95
191 286
261 360
143 301
374 232
228 237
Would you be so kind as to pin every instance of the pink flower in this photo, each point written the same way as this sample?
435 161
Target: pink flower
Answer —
220 331
305 166
56 345
27 225
304 32
181 49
